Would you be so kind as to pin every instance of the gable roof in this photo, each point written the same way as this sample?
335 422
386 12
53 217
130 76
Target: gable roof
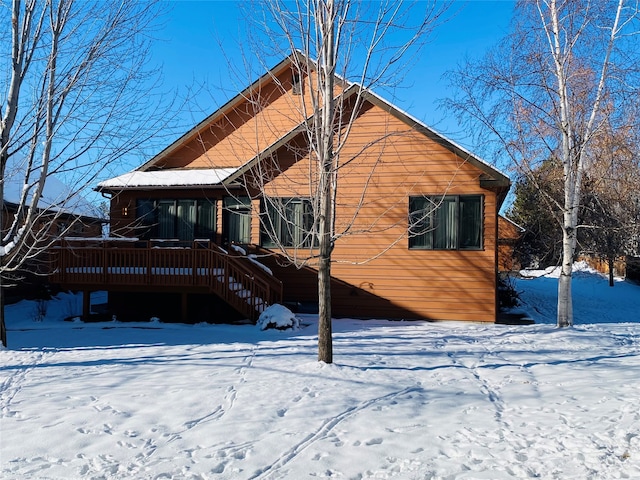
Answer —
219 113
498 178
56 196
146 176
494 178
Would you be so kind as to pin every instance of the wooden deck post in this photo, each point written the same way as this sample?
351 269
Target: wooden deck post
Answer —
184 307
86 305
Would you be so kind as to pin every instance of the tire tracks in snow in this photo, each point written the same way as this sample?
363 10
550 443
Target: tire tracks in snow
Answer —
323 432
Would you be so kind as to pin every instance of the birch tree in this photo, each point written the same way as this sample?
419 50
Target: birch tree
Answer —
568 68
339 41
74 97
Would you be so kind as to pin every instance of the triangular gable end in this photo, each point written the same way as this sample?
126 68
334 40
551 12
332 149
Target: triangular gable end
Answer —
247 124
491 178
157 161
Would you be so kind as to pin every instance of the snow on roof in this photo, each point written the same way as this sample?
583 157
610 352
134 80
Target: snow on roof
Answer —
56 195
168 178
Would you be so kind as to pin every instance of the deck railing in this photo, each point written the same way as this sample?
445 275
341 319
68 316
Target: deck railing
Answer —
165 264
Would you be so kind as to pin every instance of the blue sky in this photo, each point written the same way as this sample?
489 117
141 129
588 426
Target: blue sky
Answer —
197 37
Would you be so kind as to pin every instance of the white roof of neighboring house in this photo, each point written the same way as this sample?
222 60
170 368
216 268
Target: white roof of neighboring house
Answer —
56 196
168 178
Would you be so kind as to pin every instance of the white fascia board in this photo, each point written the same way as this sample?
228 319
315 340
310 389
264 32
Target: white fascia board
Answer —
178 178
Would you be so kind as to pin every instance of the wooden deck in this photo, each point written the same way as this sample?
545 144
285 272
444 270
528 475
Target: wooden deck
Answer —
199 266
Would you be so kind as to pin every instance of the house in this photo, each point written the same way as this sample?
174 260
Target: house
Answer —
58 213
199 220
509 233
60 210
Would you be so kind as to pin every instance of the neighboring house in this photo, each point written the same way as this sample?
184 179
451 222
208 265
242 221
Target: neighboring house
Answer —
509 233
61 223
424 244
59 214
61 211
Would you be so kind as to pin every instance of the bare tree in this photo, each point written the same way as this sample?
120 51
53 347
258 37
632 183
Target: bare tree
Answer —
369 43
75 97
568 67
610 215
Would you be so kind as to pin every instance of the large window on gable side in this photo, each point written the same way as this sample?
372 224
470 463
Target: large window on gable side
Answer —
449 222
287 222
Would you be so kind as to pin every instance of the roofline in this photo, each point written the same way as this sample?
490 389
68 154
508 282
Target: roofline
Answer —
296 57
522 229
220 112
111 189
281 142
500 179
58 212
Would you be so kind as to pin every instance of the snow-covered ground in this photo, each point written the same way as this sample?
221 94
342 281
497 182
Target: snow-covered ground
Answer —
406 400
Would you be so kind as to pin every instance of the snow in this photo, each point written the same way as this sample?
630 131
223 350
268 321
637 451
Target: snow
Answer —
167 178
403 400
56 196
279 317
593 300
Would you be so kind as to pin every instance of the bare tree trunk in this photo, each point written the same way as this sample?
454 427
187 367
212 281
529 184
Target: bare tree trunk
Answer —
3 328
612 266
325 335
546 94
565 302
325 127
330 35
72 106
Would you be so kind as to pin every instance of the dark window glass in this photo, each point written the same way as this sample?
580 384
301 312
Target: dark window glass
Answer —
176 219
206 224
236 220
448 222
287 222
145 218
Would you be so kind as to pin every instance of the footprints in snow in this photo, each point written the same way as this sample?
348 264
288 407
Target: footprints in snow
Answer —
306 393
327 431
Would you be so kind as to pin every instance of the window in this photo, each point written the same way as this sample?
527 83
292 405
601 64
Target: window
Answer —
180 219
287 222
296 83
236 220
451 222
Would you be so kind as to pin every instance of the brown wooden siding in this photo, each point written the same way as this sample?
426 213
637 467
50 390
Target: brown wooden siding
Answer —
243 132
384 163
430 284
508 235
